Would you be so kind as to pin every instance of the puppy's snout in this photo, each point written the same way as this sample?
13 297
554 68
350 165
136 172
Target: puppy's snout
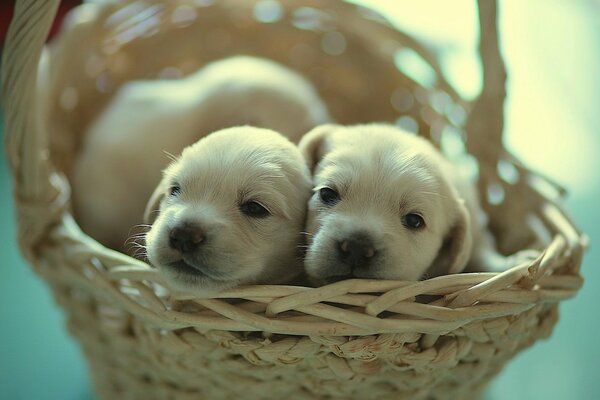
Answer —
356 251
186 238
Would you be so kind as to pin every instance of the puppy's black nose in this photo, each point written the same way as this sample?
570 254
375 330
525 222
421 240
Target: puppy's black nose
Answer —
186 238
356 251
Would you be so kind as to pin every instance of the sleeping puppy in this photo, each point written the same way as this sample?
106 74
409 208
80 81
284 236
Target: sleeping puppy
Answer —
388 205
124 150
231 211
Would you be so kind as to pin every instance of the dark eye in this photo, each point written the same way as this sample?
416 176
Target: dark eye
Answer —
175 190
329 196
254 210
413 221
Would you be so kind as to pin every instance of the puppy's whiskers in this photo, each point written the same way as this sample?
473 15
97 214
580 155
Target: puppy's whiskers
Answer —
136 242
143 226
170 156
139 250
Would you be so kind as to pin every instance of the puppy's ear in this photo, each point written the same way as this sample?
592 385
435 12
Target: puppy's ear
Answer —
461 241
456 249
314 145
153 204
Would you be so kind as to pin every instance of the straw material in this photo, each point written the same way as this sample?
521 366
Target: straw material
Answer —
360 339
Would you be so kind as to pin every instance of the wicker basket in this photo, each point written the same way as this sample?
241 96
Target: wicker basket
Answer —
353 339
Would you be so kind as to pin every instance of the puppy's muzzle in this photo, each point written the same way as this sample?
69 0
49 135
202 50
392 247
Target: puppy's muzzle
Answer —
356 251
186 238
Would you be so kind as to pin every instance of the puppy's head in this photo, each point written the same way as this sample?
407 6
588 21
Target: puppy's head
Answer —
231 210
383 206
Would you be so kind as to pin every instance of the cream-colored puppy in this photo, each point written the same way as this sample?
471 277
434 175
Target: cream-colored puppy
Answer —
232 212
388 205
123 152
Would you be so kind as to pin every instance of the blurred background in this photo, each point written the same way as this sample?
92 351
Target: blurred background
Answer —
552 51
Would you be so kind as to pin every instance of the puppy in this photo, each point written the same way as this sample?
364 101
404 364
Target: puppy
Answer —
388 205
123 152
231 211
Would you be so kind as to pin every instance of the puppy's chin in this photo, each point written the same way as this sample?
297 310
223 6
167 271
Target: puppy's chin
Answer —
185 277
326 270
197 278
317 282
323 267
322 272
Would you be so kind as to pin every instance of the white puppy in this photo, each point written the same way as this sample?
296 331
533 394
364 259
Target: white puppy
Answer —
123 152
232 211
387 205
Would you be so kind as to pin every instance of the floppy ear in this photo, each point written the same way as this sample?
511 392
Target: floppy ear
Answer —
314 144
153 205
456 249
461 241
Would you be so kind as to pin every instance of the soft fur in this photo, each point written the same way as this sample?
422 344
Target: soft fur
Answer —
216 177
127 147
382 174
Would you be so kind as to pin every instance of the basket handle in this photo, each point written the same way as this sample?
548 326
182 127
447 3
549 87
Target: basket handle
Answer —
485 124
36 189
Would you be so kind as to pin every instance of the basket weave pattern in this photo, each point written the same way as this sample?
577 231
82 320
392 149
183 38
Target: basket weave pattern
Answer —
353 339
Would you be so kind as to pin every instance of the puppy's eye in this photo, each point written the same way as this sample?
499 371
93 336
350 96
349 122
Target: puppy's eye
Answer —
413 221
254 210
175 190
329 196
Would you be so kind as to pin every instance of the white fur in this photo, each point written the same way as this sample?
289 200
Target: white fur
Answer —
382 174
217 175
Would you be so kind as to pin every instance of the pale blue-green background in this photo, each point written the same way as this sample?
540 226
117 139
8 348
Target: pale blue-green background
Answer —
553 52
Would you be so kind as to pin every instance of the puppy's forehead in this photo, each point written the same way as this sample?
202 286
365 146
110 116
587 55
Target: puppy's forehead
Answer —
377 164
385 174
229 168
243 164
